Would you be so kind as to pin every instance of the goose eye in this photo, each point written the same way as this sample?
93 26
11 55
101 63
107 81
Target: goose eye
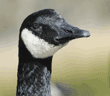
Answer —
36 26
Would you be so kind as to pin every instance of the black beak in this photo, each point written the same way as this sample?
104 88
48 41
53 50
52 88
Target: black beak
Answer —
69 32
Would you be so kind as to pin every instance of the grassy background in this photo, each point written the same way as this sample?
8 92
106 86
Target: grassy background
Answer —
84 64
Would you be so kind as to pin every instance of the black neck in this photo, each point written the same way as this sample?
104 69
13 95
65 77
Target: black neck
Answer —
33 75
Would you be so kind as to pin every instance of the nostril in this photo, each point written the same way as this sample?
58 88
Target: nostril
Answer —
67 31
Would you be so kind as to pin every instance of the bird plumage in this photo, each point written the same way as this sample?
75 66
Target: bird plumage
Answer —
41 35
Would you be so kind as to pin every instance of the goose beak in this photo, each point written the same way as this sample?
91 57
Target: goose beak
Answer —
70 32
80 33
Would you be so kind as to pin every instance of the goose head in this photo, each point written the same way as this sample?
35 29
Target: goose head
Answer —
44 32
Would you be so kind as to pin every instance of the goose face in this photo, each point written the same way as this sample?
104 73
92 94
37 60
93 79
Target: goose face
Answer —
46 31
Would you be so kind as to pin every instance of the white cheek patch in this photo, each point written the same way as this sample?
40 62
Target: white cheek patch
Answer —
38 47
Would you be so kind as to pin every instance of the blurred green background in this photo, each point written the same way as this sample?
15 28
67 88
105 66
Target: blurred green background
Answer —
84 64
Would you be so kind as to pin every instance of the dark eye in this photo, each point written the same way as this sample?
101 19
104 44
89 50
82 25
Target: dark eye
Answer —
36 26
46 27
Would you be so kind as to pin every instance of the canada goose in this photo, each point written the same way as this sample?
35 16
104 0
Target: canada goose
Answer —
41 34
